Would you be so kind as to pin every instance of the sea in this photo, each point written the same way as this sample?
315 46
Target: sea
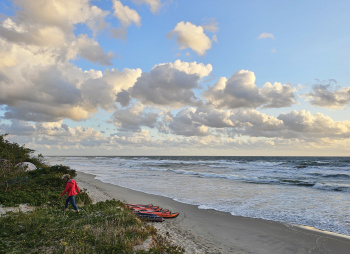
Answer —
308 191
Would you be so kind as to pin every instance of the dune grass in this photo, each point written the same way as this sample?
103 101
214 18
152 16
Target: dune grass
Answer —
104 227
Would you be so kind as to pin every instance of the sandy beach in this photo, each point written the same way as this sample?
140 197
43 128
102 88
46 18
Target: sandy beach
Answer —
210 231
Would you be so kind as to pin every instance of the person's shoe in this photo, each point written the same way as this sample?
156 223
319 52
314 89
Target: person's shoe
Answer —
77 211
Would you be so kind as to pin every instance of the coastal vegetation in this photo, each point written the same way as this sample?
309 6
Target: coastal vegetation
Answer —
104 227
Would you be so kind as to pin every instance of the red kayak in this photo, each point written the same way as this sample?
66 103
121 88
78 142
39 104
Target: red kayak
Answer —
145 206
165 215
151 210
139 208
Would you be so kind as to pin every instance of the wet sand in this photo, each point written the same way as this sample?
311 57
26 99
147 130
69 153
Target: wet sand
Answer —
210 231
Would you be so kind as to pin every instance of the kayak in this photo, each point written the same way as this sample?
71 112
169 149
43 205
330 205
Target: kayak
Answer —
150 217
166 215
150 209
144 206
137 208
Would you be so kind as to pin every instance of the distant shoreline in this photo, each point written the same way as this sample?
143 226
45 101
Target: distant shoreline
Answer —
199 230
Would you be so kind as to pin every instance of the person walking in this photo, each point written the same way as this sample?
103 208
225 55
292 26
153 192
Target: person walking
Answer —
71 187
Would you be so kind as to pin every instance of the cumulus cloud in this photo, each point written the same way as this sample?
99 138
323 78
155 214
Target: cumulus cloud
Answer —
89 49
207 120
38 80
278 95
97 93
183 124
41 36
253 123
197 128
169 84
46 29
154 5
120 80
58 137
240 91
166 86
191 36
303 123
123 98
55 92
198 69
131 119
18 128
38 22
324 96
125 14
40 95
58 13
55 134
266 35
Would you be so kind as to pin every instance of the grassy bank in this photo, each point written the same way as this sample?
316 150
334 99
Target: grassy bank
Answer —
105 227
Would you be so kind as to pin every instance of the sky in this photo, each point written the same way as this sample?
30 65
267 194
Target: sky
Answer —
176 77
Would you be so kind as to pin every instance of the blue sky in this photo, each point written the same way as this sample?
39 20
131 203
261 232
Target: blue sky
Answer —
162 77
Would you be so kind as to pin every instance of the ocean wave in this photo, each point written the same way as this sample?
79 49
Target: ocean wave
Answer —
336 175
328 187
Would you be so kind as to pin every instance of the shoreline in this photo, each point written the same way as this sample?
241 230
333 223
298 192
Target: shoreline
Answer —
211 231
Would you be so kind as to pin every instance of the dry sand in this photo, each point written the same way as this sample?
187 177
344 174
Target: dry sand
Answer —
210 231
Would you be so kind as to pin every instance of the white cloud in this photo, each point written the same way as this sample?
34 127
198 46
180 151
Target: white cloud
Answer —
240 91
201 129
131 119
170 84
183 124
324 96
207 120
57 13
266 35
125 14
57 91
38 81
278 95
89 49
120 80
9 24
300 125
46 29
303 123
191 36
50 36
189 67
155 5
253 123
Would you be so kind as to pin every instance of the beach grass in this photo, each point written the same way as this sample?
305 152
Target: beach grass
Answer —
104 227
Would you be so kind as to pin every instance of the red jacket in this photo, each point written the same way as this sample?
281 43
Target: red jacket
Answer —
70 188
